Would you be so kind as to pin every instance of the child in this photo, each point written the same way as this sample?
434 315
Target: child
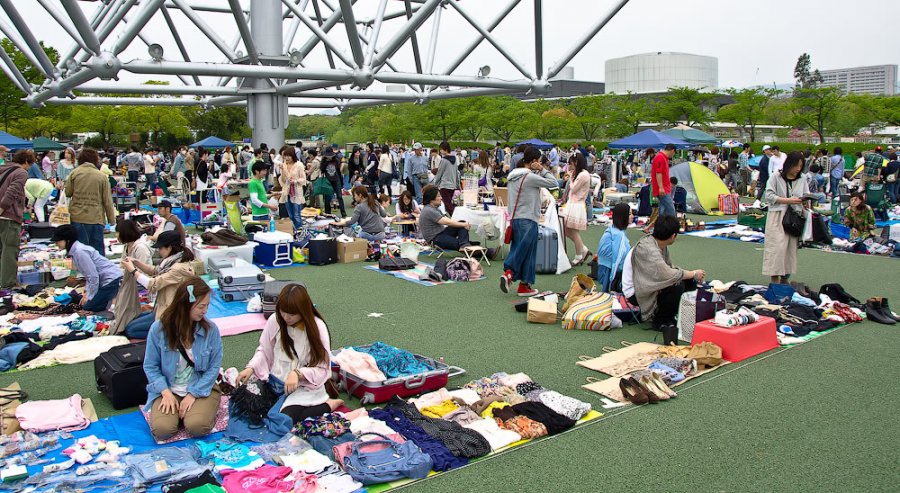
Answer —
384 201
679 195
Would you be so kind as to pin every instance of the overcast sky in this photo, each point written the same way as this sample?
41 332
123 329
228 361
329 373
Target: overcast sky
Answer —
756 42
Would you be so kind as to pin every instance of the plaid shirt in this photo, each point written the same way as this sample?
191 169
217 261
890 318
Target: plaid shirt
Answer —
873 163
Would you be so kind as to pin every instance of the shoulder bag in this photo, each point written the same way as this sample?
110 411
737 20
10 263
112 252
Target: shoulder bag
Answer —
392 461
792 222
507 237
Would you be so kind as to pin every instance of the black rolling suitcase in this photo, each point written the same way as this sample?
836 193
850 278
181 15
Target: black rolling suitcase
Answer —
120 375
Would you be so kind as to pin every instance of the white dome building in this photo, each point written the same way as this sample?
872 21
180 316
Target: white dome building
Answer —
657 72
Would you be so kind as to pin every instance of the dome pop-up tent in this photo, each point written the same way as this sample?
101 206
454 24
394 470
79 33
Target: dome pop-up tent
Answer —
648 138
213 142
540 144
13 143
702 185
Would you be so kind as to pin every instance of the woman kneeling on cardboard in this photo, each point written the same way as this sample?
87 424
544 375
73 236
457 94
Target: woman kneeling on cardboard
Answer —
295 347
182 362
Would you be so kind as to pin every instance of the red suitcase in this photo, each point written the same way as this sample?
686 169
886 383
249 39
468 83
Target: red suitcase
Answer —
406 386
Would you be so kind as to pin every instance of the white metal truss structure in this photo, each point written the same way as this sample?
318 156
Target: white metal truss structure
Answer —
263 67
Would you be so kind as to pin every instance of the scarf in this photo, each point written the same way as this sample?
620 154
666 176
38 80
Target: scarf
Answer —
166 264
652 272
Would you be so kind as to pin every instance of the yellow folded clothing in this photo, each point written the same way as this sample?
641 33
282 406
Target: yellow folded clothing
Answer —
440 410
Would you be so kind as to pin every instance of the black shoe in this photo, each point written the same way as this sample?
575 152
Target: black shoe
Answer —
474 243
885 308
874 312
837 293
493 253
670 334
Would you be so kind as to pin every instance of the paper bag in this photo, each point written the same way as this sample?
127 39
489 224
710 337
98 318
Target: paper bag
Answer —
541 312
8 404
60 215
581 285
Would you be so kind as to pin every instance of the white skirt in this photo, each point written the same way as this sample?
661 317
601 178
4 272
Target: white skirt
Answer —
575 215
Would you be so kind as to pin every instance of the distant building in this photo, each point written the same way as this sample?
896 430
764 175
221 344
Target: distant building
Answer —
877 79
564 86
657 72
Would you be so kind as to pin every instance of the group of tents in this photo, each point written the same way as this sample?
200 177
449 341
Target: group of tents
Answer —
43 144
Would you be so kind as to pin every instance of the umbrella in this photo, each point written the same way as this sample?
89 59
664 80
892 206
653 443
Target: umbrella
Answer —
42 144
731 143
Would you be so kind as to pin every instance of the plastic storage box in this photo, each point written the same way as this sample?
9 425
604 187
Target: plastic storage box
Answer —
738 343
274 249
243 252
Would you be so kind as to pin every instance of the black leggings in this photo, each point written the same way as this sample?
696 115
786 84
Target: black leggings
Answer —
667 301
299 413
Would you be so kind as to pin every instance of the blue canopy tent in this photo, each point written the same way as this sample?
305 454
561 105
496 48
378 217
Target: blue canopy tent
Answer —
14 143
648 138
213 142
540 144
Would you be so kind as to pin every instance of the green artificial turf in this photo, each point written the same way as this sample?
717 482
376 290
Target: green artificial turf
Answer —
817 417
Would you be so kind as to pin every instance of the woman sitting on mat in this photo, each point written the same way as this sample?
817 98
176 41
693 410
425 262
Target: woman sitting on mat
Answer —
127 306
407 207
859 217
368 214
613 249
658 284
102 277
162 280
182 362
295 347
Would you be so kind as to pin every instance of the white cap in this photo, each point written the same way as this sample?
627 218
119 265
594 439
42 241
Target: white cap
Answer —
417 145
766 147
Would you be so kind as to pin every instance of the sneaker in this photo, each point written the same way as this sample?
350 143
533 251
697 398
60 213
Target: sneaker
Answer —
525 290
505 280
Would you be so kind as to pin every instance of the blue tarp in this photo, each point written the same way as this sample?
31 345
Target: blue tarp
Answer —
540 144
648 138
213 142
14 143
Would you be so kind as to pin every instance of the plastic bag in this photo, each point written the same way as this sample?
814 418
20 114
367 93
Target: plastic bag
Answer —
254 304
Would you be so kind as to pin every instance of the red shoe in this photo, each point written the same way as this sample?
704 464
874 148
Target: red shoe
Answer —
525 290
505 281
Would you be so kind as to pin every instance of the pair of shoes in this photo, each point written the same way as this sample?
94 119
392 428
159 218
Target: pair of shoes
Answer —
635 392
655 384
876 312
505 280
525 290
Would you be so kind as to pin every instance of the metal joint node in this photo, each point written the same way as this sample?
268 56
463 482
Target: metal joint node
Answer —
105 65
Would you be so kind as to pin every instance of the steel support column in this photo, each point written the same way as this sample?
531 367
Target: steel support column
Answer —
267 113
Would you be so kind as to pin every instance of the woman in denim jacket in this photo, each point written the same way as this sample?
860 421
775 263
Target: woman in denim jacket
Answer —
184 354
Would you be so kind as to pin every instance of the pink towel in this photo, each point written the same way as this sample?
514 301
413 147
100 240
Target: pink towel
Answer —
59 414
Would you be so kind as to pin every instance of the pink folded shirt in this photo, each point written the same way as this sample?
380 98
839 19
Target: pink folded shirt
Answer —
59 414
362 365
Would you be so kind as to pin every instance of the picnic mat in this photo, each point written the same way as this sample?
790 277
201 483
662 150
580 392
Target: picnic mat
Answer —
221 422
610 386
793 340
412 275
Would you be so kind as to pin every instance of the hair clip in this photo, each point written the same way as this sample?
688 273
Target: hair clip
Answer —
190 290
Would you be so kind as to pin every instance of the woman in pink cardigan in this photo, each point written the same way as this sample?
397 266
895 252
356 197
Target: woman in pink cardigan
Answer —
575 212
295 347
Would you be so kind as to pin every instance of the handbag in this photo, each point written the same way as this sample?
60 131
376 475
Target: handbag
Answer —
707 305
395 263
777 293
322 187
792 222
396 461
507 236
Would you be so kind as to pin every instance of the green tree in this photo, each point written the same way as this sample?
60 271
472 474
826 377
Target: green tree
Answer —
305 126
804 75
505 116
12 108
227 122
550 121
625 113
684 104
471 116
748 109
883 109
590 114
439 119
815 108
849 118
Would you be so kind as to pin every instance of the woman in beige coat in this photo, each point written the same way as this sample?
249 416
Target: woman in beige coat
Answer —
292 180
784 189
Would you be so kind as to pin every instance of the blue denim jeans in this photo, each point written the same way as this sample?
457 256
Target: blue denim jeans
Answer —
140 326
371 237
835 186
104 296
151 181
451 238
666 205
417 189
523 251
91 235
893 190
293 211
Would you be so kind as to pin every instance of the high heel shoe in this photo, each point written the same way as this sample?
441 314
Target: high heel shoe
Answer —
631 392
656 380
652 398
650 386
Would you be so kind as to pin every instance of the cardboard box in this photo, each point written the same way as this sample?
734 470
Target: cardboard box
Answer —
199 267
285 226
357 251
541 311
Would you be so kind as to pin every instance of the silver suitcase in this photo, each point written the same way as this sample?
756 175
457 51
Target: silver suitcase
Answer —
241 283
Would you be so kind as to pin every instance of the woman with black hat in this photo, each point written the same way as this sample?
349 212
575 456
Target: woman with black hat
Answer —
102 276
162 280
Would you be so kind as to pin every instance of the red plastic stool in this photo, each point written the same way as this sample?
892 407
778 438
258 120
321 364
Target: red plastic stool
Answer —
738 343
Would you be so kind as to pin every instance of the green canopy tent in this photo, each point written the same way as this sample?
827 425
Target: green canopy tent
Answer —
42 144
691 135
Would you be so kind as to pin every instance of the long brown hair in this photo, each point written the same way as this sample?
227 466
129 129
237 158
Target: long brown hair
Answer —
176 320
294 299
369 198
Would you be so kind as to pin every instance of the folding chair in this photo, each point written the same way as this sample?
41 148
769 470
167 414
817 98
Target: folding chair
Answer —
435 249
876 198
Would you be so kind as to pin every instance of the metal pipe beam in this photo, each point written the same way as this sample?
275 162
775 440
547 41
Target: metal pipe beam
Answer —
104 26
82 25
488 36
292 30
244 31
478 39
205 8
126 101
451 80
300 87
318 12
134 28
376 30
117 88
321 34
417 58
468 93
389 64
19 43
563 60
432 44
205 29
64 23
329 23
37 50
393 96
352 35
214 69
11 71
101 13
538 38
225 99
401 36
111 23
178 41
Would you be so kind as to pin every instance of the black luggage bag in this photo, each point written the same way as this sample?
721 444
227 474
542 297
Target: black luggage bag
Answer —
322 252
120 375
